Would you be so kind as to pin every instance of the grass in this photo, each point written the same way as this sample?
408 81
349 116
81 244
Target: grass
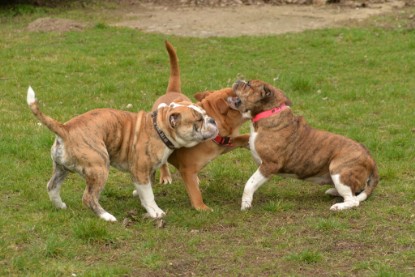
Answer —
358 82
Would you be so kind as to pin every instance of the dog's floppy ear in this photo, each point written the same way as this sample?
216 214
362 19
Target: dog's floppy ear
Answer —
174 119
202 95
266 92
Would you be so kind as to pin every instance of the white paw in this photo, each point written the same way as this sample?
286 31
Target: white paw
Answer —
135 193
246 205
59 205
344 206
155 212
332 192
107 217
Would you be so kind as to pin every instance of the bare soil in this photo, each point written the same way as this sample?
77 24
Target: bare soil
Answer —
237 20
229 18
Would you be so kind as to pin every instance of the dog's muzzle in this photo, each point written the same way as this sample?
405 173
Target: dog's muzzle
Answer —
234 102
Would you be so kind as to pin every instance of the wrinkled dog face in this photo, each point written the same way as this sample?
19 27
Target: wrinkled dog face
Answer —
191 124
256 96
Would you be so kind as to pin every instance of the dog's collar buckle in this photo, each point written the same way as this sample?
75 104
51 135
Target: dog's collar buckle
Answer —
223 141
269 113
161 134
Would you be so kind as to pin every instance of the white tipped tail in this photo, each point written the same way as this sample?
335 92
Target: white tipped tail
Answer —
31 98
53 125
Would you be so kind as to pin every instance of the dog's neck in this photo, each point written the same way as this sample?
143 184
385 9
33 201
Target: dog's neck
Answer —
161 134
269 113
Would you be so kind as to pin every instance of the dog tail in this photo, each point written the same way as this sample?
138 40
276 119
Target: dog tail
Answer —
174 80
371 184
53 125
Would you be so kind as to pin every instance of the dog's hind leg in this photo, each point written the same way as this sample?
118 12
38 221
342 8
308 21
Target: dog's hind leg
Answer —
332 192
54 185
350 200
95 180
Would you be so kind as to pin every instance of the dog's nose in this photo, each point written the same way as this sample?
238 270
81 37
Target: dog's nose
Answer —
212 121
237 102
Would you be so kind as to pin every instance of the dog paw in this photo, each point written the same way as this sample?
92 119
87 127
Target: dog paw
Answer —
155 213
135 193
203 208
165 180
108 217
344 206
246 205
62 206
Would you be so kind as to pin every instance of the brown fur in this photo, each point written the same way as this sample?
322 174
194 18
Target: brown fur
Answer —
286 144
89 143
190 161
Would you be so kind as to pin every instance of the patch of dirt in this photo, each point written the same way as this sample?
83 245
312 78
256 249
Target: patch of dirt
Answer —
47 24
230 18
233 19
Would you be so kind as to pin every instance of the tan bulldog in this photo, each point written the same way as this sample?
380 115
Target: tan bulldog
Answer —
135 142
285 144
189 161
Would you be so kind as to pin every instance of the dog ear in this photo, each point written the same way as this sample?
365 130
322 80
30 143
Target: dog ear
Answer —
174 119
266 92
202 95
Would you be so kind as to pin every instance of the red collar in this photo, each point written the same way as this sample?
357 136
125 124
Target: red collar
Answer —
224 141
269 113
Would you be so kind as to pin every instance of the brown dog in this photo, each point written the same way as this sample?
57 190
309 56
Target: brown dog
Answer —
285 144
135 142
190 161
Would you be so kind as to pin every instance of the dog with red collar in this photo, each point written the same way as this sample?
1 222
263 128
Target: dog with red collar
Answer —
191 161
284 144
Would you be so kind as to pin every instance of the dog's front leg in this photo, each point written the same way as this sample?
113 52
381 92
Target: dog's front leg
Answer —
144 191
256 180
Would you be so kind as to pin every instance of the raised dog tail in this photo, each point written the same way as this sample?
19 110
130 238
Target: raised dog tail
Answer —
174 80
371 184
53 125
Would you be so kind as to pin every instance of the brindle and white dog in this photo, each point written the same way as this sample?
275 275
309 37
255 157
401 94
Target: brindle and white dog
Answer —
135 142
285 144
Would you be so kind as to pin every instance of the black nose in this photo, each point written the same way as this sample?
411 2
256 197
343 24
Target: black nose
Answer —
238 102
212 121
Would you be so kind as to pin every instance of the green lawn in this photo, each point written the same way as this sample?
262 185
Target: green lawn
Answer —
358 82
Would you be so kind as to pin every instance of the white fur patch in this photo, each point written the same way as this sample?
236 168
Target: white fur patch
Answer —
161 105
191 106
247 115
332 192
145 192
362 196
54 196
256 180
345 191
252 139
108 217
31 97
